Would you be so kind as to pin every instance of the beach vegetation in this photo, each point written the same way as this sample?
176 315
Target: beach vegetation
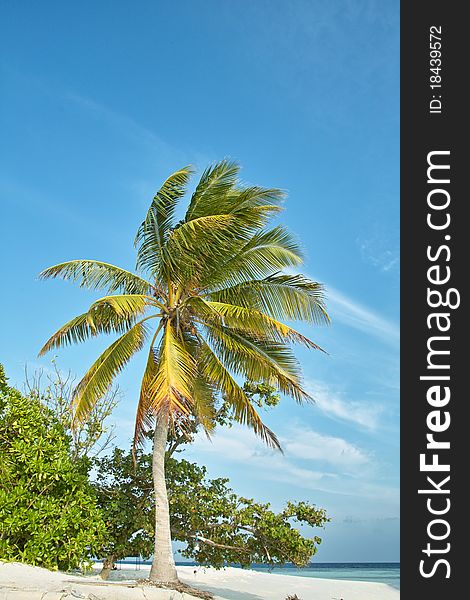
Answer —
48 510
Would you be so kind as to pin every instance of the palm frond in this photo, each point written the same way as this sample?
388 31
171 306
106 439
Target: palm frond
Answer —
124 305
95 275
243 409
144 416
264 254
193 243
215 183
250 320
204 397
254 196
170 390
253 218
291 297
99 377
111 314
153 232
74 331
258 360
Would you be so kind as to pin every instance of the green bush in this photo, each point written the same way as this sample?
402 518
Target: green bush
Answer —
48 511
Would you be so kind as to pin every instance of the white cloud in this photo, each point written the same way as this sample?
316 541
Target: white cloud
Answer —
310 445
312 461
240 444
358 316
168 155
364 414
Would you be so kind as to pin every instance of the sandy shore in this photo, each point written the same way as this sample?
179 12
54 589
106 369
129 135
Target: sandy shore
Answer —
241 584
22 582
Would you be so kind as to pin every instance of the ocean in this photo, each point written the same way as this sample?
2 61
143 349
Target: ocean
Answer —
388 573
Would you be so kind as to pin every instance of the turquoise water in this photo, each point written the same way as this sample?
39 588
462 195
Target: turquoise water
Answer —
388 573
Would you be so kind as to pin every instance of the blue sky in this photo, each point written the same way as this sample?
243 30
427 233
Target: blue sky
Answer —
101 101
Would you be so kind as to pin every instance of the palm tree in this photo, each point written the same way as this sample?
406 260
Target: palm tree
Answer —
208 302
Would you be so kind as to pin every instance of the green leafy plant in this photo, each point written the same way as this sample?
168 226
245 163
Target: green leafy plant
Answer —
48 511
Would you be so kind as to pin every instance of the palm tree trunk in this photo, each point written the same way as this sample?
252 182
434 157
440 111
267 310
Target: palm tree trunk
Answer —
163 565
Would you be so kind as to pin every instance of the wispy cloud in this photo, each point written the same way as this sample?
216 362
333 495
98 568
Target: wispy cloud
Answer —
157 150
168 154
329 401
360 317
312 461
239 447
306 444
298 442
113 118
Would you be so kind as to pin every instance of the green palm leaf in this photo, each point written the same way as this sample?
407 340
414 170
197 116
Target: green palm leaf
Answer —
99 377
97 275
124 305
215 183
258 360
250 320
74 331
111 314
145 416
153 232
266 253
291 297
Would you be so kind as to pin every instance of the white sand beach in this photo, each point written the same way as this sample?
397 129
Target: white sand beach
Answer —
242 584
23 582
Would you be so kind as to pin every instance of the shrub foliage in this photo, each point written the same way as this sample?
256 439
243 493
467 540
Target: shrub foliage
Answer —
48 511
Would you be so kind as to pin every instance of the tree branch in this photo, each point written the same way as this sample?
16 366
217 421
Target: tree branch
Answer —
216 545
209 542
